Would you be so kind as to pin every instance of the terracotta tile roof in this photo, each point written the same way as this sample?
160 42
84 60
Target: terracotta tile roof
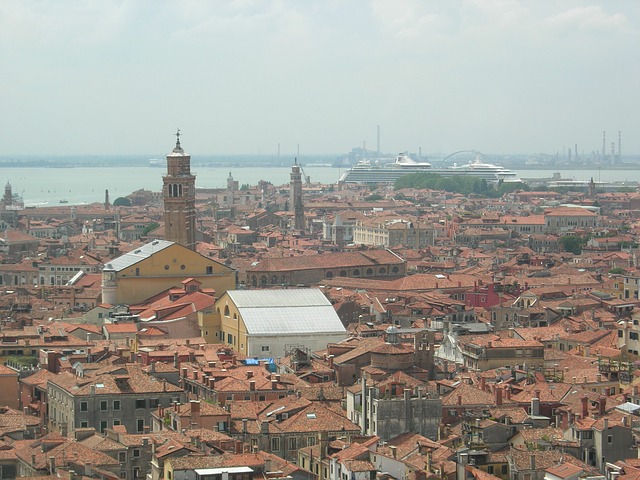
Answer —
121 328
334 260
565 470
467 395
478 474
63 450
546 392
570 212
38 379
255 461
521 458
120 379
172 446
206 409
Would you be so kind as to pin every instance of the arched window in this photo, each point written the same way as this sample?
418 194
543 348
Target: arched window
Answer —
235 316
343 273
356 273
226 310
369 271
383 271
329 275
274 279
395 270
254 281
263 280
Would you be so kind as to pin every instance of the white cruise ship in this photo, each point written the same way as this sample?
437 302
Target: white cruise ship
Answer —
367 172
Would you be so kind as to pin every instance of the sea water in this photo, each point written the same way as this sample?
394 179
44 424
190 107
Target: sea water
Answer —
77 185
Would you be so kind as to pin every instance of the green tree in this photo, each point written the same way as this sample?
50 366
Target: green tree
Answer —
152 226
572 244
122 202
374 197
617 271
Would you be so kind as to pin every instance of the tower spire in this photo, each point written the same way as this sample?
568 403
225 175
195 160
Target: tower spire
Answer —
178 147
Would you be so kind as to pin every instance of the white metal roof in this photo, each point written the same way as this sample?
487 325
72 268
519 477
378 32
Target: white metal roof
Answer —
286 312
220 470
137 255
291 320
628 407
294 297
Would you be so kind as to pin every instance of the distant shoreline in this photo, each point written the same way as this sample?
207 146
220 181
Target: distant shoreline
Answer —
269 164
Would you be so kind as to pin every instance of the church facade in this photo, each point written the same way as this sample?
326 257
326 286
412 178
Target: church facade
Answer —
158 266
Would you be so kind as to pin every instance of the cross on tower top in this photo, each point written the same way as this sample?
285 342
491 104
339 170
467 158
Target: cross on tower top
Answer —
177 134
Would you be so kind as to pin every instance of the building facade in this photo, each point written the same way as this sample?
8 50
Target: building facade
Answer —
158 266
269 323
125 396
391 232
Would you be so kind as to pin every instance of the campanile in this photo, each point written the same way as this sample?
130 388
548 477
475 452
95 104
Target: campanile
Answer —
179 193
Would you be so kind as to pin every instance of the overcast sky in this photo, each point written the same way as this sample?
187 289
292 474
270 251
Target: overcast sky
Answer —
498 76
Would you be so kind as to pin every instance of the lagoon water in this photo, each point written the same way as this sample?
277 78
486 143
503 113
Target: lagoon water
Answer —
79 185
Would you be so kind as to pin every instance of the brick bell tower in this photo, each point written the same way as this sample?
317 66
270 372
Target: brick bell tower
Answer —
179 193
295 197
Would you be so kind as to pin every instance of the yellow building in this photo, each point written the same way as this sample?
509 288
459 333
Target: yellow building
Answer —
158 266
269 323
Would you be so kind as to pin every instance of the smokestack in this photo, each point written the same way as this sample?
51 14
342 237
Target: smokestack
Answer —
378 144
604 145
613 152
619 146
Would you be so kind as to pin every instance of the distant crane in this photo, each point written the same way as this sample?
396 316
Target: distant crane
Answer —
307 178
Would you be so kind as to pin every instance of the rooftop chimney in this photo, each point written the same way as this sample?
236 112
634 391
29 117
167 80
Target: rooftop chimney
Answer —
602 405
535 407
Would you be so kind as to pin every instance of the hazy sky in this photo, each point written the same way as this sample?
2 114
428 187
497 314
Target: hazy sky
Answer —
499 76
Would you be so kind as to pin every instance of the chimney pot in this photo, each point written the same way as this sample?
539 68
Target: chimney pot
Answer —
498 396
